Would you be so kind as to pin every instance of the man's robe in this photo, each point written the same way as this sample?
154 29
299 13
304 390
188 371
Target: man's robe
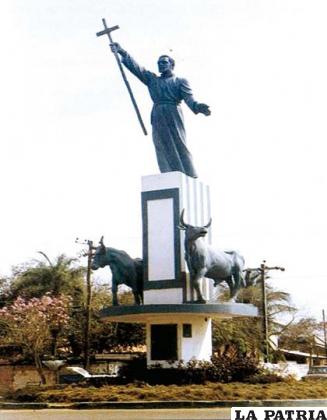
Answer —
168 131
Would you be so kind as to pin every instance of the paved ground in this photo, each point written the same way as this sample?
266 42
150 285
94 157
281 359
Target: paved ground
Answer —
159 414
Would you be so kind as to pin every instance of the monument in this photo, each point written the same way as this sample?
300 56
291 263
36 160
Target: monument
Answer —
180 267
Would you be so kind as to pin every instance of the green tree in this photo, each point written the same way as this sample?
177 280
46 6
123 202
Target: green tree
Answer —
4 291
61 277
66 277
237 336
301 335
112 336
35 279
245 335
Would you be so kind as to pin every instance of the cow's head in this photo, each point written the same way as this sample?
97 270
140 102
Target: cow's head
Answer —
99 258
192 233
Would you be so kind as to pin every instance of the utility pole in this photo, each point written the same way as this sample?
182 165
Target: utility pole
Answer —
89 255
265 327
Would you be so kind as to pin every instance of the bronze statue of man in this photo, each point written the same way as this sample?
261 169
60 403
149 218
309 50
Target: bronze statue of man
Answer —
168 131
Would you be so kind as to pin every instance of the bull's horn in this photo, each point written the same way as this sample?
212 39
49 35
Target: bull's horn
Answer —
101 241
183 224
208 224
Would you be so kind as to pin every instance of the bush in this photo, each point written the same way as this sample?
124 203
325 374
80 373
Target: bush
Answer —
184 374
265 378
28 394
134 370
31 393
232 368
220 369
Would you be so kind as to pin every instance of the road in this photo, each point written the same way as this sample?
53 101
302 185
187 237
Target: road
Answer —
158 414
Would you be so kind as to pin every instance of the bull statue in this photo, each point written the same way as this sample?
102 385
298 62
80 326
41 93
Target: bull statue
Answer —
124 269
205 261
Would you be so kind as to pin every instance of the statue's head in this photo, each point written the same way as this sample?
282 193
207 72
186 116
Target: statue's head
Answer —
192 233
165 64
99 258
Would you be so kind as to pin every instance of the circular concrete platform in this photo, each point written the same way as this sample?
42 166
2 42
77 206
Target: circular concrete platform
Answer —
148 313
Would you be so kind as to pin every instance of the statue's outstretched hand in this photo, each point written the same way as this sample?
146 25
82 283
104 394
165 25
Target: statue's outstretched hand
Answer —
116 48
203 109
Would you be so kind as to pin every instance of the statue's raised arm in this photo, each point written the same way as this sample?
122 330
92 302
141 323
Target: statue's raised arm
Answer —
130 63
167 92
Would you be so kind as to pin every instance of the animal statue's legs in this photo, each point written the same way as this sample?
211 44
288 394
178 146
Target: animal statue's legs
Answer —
136 297
238 281
196 285
140 295
231 285
114 292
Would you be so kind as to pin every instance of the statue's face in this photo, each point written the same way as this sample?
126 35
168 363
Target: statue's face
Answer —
164 64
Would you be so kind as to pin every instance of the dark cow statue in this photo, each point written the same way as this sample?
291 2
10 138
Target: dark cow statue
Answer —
124 269
205 261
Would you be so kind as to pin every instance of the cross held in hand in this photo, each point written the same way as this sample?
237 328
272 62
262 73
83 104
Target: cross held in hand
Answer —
107 31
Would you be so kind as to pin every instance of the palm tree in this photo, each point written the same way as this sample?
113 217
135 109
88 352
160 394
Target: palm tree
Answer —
39 278
249 333
278 302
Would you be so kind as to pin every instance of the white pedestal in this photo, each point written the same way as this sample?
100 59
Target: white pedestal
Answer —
164 196
176 332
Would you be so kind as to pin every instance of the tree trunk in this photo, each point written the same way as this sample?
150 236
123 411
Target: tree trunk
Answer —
75 345
54 341
38 365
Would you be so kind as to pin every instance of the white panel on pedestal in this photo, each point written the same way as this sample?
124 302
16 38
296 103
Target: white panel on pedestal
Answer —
161 255
161 296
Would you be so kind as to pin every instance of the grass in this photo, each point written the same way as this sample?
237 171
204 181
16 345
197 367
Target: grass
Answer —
210 391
